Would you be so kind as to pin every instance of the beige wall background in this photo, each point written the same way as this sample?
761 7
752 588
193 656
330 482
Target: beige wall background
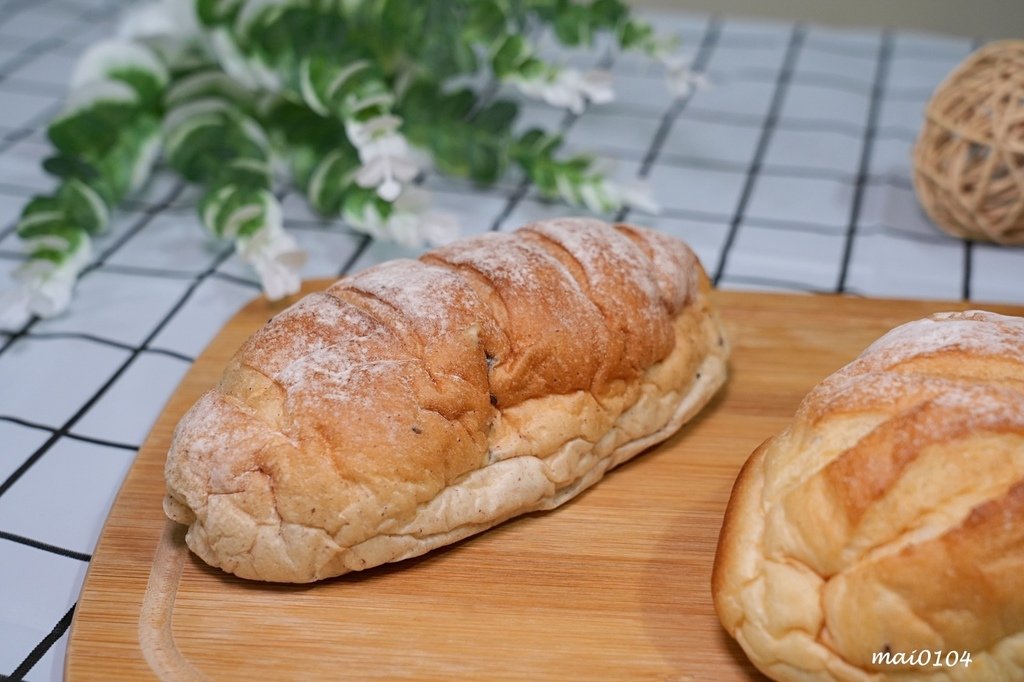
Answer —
971 18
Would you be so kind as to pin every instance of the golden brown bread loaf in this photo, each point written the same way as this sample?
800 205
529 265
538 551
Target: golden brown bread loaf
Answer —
889 515
422 401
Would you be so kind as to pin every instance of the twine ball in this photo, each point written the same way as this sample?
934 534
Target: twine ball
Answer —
969 157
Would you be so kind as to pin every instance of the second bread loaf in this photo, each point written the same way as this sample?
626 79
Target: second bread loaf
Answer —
880 536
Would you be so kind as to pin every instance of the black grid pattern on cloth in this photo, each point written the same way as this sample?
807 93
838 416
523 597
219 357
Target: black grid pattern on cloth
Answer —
771 57
767 128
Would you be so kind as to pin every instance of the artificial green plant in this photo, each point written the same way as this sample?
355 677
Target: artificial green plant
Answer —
345 100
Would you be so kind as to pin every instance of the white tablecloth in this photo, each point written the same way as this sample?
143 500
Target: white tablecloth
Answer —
789 172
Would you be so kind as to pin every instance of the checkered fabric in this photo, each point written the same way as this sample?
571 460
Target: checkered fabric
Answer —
789 172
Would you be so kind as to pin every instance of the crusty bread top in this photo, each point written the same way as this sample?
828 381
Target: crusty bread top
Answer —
556 307
358 404
890 514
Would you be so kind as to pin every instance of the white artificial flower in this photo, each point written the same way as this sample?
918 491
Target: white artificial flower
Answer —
555 91
566 188
605 196
14 308
44 287
569 88
277 259
362 133
386 165
596 86
434 227
552 91
682 82
384 153
595 196
369 221
680 79
271 251
639 195
411 223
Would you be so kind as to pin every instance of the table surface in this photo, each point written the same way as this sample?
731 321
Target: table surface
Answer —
790 172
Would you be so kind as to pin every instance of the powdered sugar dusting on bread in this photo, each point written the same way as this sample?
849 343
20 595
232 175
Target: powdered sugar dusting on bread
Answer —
599 249
425 293
316 322
895 392
975 332
847 390
214 426
337 360
354 380
215 422
868 381
676 266
593 245
502 258
985 405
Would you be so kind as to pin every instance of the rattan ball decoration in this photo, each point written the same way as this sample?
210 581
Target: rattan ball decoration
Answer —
969 157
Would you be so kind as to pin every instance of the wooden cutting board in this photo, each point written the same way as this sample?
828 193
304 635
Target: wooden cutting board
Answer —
613 585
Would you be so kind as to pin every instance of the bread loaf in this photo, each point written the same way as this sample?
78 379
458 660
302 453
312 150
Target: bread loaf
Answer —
422 401
880 536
